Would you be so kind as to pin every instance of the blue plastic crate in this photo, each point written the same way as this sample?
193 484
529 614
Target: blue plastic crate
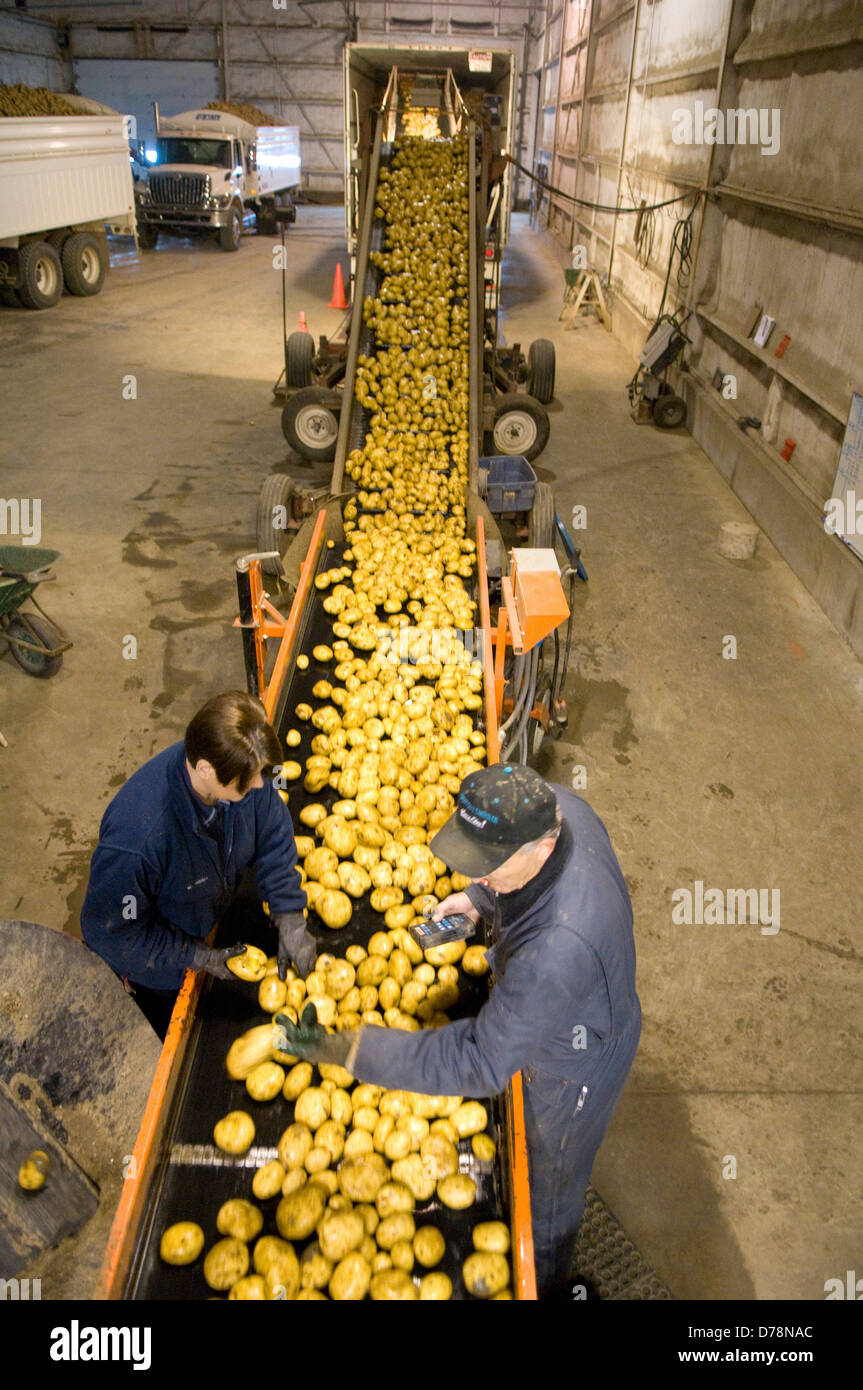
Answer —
510 483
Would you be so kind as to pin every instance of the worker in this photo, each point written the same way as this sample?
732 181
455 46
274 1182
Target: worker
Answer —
174 845
563 1009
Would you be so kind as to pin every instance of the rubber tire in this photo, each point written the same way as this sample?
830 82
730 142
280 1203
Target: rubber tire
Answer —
540 370
299 352
29 291
229 236
32 662
276 491
522 405
148 238
78 251
669 412
301 401
541 526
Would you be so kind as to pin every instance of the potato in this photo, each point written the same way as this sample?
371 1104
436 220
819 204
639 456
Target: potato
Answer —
393 1197
294 1144
396 1103
182 1243
313 814
473 962
272 994
436 1287
448 954
439 1156
380 1262
399 1226
355 954
325 1008
298 1215
234 1133
485 1273
320 861
491 1236
252 965
239 1218
350 1278
470 1118
315 1269
322 653
457 1191
310 1295
389 1285
429 1246
402 1255
265 1081
298 1079
380 944
329 1181
483 1147
339 1233
282 1275
367 1094
411 1171
267 1248
371 971
371 1220
354 879
225 1263
334 908
252 1048
249 1288
317 1160
331 1136
362 1178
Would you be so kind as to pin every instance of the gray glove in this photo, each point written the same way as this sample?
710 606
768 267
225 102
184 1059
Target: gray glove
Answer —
208 958
296 943
310 1040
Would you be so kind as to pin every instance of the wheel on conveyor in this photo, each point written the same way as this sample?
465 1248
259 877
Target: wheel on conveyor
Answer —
274 509
310 423
541 526
521 426
299 354
540 370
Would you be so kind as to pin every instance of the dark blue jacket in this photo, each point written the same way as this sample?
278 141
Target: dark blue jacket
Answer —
563 960
159 881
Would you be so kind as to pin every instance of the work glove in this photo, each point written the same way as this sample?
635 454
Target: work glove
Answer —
295 943
214 960
311 1041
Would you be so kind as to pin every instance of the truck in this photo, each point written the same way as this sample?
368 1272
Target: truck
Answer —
212 171
65 182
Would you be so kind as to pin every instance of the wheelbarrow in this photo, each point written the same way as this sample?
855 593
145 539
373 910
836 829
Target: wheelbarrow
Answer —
36 643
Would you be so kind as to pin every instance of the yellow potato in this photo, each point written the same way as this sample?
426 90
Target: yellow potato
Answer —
267 1248
350 1278
250 966
294 1144
329 1181
399 1226
358 1142
313 814
393 1197
402 1255
439 1156
367 1094
483 1146
339 1233
234 1132
317 1160
265 1081
331 1136
298 1214
253 1047
389 1285
325 1008
339 980
225 1263
341 1106
182 1243
312 1107
334 908
371 1220
315 1269
272 994
239 1218
491 1237
485 1274
282 1275
298 1079
448 954
429 1246
362 1178
250 1288
457 1191
412 1172
473 962
380 944
436 1287
371 971
470 1118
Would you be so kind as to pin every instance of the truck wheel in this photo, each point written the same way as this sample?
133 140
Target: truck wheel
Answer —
147 237
540 370
310 423
41 275
276 491
521 426
299 353
84 263
669 412
34 663
229 236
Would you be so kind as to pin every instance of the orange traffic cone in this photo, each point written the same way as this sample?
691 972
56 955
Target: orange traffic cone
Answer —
338 300
304 327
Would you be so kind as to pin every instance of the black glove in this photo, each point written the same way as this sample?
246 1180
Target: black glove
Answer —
214 961
295 943
310 1040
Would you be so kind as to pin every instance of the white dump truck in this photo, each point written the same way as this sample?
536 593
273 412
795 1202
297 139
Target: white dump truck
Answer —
65 182
212 170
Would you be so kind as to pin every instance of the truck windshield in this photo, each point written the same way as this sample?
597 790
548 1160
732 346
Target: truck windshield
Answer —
186 150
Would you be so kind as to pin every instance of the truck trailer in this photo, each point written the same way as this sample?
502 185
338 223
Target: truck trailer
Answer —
65 182
213 170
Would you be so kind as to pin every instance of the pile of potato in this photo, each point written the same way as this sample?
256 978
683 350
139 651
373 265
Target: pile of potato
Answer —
243 110
19 100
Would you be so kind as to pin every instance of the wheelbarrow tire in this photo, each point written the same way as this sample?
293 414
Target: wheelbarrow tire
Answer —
277 490
541 527
299 354
540 370
34 663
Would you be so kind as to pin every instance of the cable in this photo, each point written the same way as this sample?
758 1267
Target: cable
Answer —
603 207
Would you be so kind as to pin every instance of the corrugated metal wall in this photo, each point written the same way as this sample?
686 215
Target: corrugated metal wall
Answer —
30 52
780 230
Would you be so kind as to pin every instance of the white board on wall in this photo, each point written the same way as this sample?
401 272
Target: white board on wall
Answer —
131 85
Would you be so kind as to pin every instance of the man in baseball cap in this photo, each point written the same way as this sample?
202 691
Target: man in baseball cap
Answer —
563 1009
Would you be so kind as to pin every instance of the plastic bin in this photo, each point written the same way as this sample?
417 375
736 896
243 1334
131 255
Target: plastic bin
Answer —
509 484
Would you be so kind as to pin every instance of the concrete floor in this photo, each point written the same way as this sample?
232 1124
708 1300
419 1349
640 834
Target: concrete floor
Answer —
740 773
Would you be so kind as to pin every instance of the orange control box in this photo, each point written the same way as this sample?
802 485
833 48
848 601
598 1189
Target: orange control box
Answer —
539 600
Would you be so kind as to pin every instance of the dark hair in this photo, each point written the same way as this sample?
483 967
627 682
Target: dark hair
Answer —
231 732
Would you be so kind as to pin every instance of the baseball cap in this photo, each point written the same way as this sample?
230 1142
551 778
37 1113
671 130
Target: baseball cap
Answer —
498 809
